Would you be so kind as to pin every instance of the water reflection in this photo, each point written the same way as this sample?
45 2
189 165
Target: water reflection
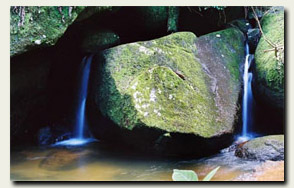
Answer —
95 162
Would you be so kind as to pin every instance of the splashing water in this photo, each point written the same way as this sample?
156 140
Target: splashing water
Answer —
79 138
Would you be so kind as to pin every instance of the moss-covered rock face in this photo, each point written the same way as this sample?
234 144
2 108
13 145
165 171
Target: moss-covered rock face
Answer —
269 83
161 84
93 10
157 18
32 27
242 24
263 148
95 40
152 18
204 20
221 54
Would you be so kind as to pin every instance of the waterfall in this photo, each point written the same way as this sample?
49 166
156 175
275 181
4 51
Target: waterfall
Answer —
247 97
82 96
80 120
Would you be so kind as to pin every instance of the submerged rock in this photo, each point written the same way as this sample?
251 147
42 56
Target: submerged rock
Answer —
61 159
266 171
263 148
269 76
45 136
50 135
161 86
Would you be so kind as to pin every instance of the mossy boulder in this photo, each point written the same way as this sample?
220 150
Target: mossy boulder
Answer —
203 20
263 148
98 39
157 17
163 85
269 72
34 27
152 17
241 24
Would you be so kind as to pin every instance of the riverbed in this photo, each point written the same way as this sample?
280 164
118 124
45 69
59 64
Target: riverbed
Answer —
100 162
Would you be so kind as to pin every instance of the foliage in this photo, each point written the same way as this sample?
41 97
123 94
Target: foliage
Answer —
184 175
190 175
210 174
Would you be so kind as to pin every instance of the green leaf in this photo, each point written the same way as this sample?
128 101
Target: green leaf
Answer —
184 175
210 174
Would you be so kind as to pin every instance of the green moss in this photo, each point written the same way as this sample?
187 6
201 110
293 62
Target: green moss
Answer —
270 70
140 87
228 48
165 101
241 24
153 14
42 26
261 142
95 40
221 53
173 15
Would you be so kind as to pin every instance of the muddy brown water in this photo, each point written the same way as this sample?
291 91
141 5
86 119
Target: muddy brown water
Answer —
95 162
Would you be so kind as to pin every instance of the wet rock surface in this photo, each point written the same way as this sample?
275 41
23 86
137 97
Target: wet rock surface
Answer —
262 148
253 39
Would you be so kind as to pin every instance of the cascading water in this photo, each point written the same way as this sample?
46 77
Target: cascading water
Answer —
247 97
80 116
80 138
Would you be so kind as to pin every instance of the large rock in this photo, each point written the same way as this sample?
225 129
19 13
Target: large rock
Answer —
269 76
203 20
263 148
34 27
241 24
98 39
156 17
159 87
145 23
